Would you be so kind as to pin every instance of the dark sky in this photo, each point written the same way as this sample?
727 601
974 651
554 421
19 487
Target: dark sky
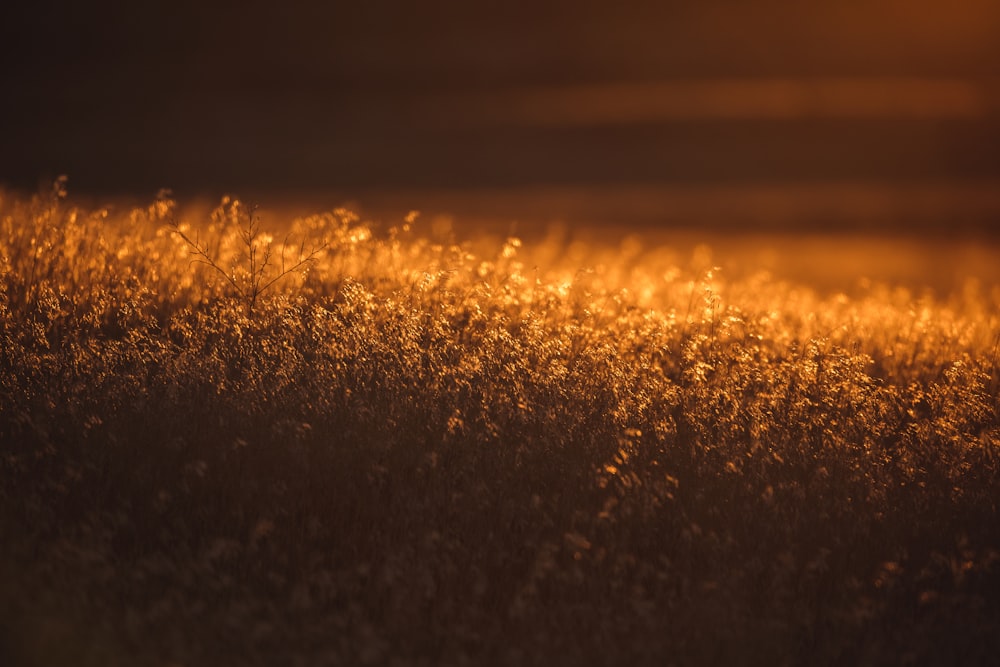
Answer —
127 97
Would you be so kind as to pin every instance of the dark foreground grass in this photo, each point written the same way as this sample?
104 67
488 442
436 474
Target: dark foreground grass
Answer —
418 454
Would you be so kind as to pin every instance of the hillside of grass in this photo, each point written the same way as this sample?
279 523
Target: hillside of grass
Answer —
365 444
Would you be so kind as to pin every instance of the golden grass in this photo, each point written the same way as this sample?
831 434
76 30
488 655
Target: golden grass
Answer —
413 451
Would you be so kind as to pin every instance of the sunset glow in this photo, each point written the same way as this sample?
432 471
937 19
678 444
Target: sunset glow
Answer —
737 99
458 333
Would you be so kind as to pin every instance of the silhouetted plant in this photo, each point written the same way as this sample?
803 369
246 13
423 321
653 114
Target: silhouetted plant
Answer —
257 270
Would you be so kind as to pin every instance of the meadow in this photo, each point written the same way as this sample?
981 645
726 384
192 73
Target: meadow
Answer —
361 444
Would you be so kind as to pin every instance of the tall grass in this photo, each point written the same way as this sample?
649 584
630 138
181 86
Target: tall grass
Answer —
409 451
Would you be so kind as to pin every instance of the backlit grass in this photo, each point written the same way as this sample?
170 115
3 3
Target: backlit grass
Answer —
371 445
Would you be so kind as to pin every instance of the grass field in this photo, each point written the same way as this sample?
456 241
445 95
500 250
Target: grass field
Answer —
371 444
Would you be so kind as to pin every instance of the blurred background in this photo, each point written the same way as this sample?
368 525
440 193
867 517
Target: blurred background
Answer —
875 116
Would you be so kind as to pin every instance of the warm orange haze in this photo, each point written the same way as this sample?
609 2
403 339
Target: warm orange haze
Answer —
450 96
452 333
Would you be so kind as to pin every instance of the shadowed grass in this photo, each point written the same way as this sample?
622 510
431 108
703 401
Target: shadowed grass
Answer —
420 452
